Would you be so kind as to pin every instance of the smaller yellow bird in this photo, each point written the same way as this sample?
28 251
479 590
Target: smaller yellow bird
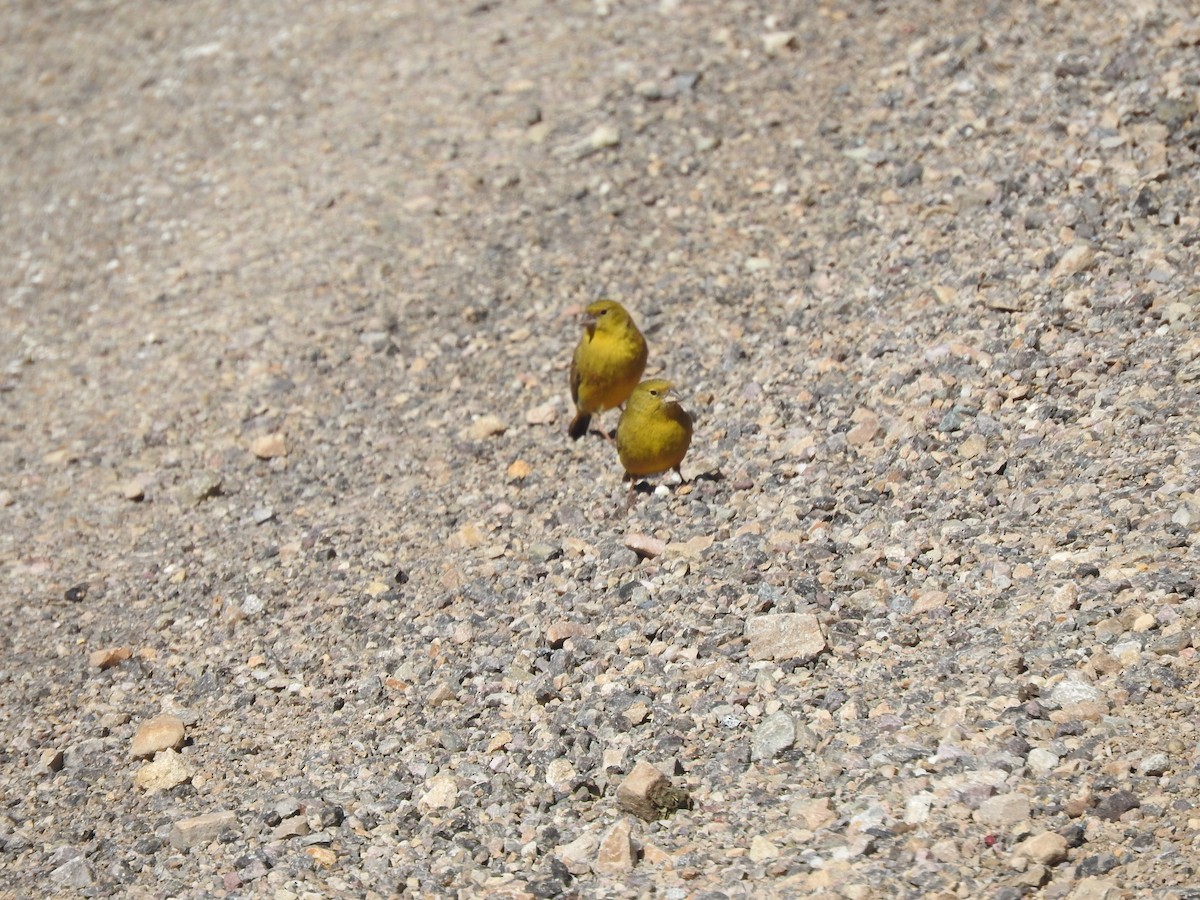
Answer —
654 432
607 365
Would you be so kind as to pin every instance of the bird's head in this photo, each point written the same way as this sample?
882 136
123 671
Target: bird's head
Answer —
605 315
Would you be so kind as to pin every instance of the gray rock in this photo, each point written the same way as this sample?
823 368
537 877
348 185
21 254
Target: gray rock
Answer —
1170 644
774 734
74 873
252 605
1155 764
1072 690
1004 810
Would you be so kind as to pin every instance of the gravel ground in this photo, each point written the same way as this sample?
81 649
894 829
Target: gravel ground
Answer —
306 593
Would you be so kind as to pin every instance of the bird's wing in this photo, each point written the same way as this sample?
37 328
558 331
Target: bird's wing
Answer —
575 379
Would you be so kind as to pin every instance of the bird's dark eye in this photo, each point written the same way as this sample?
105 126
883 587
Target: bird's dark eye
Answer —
603 312
654 393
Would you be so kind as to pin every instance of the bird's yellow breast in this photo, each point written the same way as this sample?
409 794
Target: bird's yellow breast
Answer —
607 367
653 437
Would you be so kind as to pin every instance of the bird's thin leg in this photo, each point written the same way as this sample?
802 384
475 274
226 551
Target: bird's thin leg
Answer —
609 436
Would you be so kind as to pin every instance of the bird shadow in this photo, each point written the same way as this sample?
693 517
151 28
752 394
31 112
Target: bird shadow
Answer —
646 486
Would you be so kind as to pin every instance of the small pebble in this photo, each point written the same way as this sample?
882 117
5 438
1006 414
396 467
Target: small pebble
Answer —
1004 810
648 794
75 874
160 733
198 830
134 489
1077 259
1042 761
167 770
107 658
777 41
440 793
1072 691
615 856
486 427
269 446
1155 764
785 636
578 855
1047 848
775 734
1116 804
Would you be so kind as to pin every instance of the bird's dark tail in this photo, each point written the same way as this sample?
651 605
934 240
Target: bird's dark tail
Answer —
579 426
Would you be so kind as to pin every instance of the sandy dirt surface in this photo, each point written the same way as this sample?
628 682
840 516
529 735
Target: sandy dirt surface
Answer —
304 592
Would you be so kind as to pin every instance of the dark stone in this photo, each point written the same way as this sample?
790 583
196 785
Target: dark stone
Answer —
1074 833
1116 805
909 174
1099 864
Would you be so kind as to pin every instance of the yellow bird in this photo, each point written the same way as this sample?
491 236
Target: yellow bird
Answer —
654 432
607 365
